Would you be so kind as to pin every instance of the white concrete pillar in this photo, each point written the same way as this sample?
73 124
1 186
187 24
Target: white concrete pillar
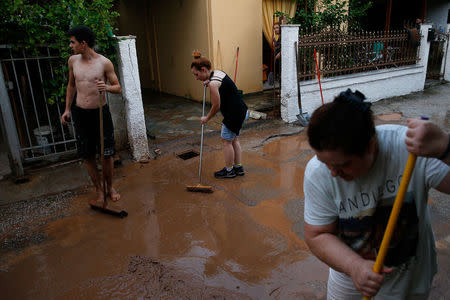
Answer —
131 92
117 107
289 101
424 50
447 59
8 126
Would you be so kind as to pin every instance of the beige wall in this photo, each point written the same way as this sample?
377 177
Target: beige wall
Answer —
182 27
168 31
238 23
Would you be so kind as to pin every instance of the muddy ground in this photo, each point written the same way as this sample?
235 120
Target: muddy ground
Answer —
244 241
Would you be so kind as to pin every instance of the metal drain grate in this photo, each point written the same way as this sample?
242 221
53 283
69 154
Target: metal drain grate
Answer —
187 154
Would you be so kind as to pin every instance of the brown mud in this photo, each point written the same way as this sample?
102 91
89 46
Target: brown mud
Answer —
244 241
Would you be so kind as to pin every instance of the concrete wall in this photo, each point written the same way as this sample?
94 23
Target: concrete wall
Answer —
437 12
375 85
238 23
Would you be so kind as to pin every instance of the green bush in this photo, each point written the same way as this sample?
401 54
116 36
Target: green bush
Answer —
31 24
329 13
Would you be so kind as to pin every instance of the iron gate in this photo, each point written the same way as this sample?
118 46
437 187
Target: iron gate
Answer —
437 56
31 81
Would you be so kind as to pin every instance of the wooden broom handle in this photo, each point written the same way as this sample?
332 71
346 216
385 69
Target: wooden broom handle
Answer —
318 73
102 147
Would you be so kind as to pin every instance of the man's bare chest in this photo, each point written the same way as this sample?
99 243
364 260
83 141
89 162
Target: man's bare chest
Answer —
88 71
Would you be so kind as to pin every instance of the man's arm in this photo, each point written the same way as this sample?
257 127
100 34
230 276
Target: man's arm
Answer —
114 85
323 243
70 92
215 101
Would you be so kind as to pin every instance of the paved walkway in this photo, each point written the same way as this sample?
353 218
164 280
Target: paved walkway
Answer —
168 117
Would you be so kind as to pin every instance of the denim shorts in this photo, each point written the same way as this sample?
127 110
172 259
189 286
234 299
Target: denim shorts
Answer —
229 135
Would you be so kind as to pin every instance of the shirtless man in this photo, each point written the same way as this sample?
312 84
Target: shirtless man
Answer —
88 74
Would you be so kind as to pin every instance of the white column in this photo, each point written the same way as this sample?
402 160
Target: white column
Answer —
9 129
131 92
289 101
424 50
447 59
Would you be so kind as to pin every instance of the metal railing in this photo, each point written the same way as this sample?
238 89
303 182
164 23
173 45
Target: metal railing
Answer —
341 53
37 117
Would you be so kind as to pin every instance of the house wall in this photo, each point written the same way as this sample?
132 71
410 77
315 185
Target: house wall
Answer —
437 13
181 27
168 31
136 20
236 23
376 85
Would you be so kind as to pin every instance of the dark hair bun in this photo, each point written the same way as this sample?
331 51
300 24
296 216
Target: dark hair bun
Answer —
355 99
196 54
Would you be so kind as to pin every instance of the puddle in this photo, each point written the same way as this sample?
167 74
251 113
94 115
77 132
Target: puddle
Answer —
244 241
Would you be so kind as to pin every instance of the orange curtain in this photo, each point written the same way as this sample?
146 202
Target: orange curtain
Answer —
269 8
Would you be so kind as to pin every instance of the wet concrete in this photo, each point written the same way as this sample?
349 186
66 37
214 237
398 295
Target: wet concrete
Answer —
176 242
169 117
244 241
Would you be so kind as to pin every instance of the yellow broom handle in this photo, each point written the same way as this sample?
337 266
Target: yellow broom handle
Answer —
379 262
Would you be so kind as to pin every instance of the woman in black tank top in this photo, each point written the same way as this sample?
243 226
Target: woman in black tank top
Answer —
224 97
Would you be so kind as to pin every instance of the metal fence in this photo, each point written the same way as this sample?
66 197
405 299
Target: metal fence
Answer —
29 78
341 53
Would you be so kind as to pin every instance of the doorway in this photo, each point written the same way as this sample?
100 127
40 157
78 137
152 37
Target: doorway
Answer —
270 78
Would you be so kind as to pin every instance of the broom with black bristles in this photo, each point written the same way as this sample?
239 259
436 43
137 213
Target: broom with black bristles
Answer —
199 187
105 208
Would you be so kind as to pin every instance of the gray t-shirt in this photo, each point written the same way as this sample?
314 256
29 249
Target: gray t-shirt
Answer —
362 207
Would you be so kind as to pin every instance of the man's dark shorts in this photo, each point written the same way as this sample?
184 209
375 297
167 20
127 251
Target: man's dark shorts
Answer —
87 128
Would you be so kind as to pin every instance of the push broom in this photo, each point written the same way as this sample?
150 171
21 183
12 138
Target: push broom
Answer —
104 208
199 187
302 117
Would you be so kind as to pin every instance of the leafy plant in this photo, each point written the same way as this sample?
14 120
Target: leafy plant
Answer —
30 24
328 13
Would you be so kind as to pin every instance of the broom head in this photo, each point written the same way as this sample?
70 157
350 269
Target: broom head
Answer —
110 210
199 188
